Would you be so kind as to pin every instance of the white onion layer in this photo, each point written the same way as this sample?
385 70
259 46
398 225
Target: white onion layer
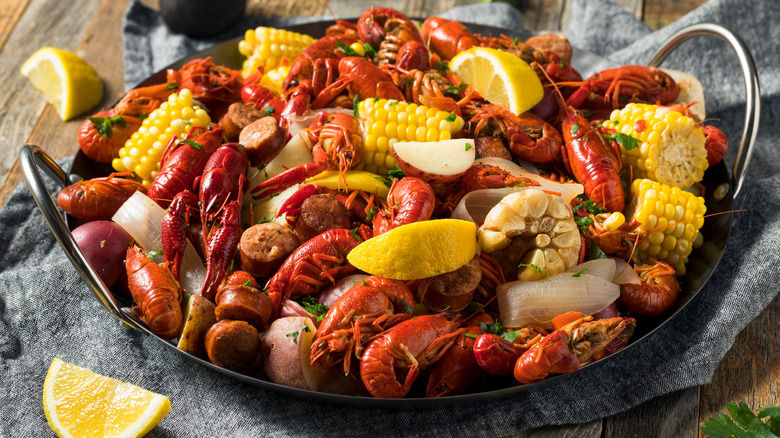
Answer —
566 191
142 218
526 302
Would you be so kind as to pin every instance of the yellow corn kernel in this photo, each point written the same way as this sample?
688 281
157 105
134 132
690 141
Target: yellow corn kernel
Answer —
614 221
671 149
671 226
266 47
386 122
142 152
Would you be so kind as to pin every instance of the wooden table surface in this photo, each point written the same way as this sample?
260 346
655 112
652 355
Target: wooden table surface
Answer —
750 372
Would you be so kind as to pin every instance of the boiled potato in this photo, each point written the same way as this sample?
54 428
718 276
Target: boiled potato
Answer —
285 349
198 318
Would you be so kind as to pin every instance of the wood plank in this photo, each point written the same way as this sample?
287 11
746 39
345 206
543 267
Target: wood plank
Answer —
750 372
543 14
658 14
99 45
285 8
10 13
674 415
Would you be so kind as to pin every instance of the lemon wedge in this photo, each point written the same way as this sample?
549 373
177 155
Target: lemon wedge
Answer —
500 77
79 403
70 84
417 250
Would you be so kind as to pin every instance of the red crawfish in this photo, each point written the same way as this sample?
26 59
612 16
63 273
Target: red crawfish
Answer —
156 292
410 199
447 38
223 179
656 293
318 261
367 308
568 348
385 27
614 88
98 198
313 70
392 362
527 136
175 227
221 248
102 135
360 78
339 145
209 82
182 163
497 355
457 369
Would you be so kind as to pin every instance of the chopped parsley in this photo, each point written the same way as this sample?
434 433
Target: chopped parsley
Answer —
579 274
194 144
369 50
348 50
268 110
407 307
596 252
451 117
171 86
371 212
355 109
583 223
151 254
533 266
383 180
396 173
105 125
468 146
626 141
575 128
311 305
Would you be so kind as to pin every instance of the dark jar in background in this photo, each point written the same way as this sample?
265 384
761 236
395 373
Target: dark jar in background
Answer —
200 18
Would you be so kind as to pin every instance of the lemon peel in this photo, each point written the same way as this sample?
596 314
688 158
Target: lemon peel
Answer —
69 83
500 77
417 250
78 402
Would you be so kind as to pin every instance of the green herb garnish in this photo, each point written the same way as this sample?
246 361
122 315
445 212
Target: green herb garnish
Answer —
105 125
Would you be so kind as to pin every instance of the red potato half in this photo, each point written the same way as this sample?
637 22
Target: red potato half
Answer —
104 244
285 349
435 162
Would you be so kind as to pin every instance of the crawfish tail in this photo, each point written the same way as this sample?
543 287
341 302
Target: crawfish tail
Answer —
157 293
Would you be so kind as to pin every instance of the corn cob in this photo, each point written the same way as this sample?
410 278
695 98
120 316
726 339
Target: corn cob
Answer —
266 47
141 153
386 122
274 79
671 147
671 216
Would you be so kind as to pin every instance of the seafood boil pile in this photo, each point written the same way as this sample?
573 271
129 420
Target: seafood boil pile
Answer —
398 208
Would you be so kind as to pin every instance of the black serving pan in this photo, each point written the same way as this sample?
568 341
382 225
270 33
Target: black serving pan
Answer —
722 186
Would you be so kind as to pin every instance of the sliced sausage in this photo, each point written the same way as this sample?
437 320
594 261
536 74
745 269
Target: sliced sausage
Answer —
238 116
263 139
234 345
453 291
263 247
244 303
320 213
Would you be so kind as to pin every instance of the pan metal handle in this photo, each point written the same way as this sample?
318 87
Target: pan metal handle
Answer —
752 92
31 157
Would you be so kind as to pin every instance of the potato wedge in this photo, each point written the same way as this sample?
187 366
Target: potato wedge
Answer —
198 318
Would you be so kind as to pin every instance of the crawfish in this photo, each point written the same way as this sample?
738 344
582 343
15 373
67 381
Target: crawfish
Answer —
589 158
367 308
447 38
458 369
656 293
98 198
221 248
339 145
614 88
484 176
320 260
223 179
622 239
410 199
156 292
529 137
208 82
360 78
497 355
182 163
568 348
377 25
102 135
313 70
413 345
175 228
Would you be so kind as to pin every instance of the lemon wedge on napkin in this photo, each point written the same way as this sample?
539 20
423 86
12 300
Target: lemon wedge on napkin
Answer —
417 250
500 77
80 403
69 83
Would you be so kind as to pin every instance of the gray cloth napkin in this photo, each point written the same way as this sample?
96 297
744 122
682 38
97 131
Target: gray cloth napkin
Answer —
46 310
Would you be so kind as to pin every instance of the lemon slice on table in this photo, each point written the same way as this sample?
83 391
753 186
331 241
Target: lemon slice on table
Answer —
417 250
500 77
78 403
70 84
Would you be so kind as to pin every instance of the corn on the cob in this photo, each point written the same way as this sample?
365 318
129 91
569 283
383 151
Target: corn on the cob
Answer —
386 122
266 46
141 153
274 79
671 147
671 216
